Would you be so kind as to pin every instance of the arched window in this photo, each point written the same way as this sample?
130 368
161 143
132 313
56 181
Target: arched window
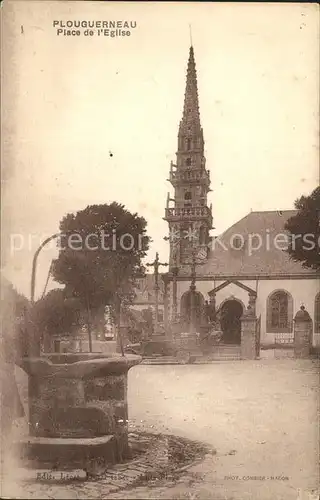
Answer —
317 314
279 312
188 144
188 162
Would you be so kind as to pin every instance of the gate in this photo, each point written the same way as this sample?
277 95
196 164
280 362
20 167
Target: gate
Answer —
258 335
284 345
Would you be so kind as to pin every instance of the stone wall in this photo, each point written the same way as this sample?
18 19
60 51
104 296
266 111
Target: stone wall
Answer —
78 344
303 291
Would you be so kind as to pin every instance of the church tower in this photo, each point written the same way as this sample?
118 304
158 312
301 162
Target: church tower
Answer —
187 213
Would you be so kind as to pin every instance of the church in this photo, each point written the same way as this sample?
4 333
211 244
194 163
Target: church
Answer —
245 266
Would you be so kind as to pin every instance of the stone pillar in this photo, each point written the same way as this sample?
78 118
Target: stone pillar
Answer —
252 302
248 334
212 304
302 333
174 294
47 342
166 306
213 311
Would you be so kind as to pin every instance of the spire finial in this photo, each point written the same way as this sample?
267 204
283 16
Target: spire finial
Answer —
190 117
190 33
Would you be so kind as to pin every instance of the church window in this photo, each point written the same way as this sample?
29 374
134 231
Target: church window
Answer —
188 144
279 312
237 243
188 195
317 314
188 162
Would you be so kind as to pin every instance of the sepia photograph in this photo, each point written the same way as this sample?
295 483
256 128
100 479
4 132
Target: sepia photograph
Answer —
160 250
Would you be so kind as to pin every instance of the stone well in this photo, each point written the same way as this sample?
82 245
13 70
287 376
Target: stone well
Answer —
78 410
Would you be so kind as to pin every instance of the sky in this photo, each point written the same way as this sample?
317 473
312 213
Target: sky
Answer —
94 119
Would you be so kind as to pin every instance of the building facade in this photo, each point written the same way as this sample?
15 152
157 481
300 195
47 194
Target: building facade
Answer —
145 302
245 266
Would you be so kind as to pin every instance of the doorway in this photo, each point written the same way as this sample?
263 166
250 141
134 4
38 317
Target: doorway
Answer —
230 314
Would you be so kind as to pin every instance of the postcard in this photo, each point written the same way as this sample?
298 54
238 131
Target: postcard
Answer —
160 250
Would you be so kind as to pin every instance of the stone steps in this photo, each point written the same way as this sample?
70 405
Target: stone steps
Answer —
221 353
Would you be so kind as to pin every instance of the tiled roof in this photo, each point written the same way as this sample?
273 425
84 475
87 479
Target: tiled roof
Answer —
227 261
261 229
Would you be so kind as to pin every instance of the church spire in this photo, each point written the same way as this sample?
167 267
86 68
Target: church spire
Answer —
189 212
190 123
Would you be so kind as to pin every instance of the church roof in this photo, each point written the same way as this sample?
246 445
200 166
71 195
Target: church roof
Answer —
253 246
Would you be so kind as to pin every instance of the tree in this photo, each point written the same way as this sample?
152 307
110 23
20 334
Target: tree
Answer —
304 228
13 301
14 320
100 256
57 314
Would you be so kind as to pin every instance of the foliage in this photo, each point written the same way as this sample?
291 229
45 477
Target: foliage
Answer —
57 314
304 228
12 301
100 255
14 319
138 323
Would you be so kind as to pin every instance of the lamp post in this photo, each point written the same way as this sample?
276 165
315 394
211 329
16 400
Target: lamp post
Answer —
156 264
33 344
34 264
175 271
175 240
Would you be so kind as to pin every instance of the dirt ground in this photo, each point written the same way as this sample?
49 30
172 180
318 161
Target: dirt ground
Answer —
261 417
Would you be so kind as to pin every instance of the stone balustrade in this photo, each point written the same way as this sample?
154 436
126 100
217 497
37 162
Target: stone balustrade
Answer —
187 213
189 176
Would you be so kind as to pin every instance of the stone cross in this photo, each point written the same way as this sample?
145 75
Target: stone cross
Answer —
192 291
156 264
193 272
